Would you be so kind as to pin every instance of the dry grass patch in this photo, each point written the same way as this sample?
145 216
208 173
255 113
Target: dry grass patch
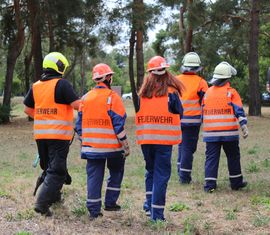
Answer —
188 209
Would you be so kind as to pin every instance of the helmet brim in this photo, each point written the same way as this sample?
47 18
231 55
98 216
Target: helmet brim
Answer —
215 79
157 68
191 64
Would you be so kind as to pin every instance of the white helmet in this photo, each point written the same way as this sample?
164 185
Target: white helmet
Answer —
223 71
191 59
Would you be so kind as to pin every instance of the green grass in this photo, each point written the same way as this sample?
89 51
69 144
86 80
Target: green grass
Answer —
260 220
23 233
178 206
188 210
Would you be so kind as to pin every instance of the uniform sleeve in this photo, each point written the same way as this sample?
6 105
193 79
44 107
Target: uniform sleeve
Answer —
175 105
64 92
78 124
29 99
238 107
118 116
202 89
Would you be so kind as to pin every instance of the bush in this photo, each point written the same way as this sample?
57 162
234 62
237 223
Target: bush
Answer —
4 113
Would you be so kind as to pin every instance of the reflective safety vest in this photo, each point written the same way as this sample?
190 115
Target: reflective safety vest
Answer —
190 99
98 135
51 120
218 116
155 124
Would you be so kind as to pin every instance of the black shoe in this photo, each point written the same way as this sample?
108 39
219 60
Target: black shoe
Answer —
242 185
148 213
112 208
210 190
95 216
43 211
185 182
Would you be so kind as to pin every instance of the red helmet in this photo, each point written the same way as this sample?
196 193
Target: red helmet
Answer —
157 63
100 71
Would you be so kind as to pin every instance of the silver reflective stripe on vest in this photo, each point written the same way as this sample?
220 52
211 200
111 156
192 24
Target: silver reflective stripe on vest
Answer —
86 149
192 109
100 140
53 131
225 133
186 120
158 137
189 101
97 130
212 117
218 124
53 122
148 193
158 127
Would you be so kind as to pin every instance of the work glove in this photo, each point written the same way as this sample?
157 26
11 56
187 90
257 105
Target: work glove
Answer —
125 147
244 131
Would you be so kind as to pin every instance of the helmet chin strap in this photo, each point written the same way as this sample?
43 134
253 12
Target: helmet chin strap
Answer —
111 81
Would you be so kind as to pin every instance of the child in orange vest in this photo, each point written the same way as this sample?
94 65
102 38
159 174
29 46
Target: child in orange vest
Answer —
222 114
158 128
100 124
195 88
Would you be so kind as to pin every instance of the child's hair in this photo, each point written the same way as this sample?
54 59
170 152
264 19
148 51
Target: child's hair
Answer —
157 85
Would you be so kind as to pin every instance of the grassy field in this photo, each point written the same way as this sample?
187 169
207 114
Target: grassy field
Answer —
188 209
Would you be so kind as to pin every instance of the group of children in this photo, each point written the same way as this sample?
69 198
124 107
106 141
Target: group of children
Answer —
171 110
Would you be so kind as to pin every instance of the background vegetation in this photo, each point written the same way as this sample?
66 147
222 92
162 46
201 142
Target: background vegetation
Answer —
116 32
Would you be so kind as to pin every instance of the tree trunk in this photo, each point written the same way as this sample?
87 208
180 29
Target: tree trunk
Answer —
14 50
186 33
34 10
27 63
140 59
50 26
182 32
139 26
254 89
131 70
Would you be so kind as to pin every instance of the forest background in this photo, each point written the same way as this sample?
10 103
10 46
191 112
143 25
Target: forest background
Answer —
236 31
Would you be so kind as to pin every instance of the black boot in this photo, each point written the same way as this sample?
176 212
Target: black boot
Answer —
112 208
242 185
43 210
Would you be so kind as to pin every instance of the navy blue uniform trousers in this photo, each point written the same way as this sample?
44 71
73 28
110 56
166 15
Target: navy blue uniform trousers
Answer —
95 169
190 136
158 171
232 151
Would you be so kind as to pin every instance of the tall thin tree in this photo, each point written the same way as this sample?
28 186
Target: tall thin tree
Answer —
254 89
15 47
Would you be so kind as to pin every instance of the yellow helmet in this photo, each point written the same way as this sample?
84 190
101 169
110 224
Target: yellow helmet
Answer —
55 61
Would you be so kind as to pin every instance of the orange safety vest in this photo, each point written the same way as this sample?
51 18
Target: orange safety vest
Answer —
155 124
218 115
189 98
51 120
97 130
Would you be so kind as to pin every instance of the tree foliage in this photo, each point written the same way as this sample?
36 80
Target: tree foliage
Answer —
83 30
